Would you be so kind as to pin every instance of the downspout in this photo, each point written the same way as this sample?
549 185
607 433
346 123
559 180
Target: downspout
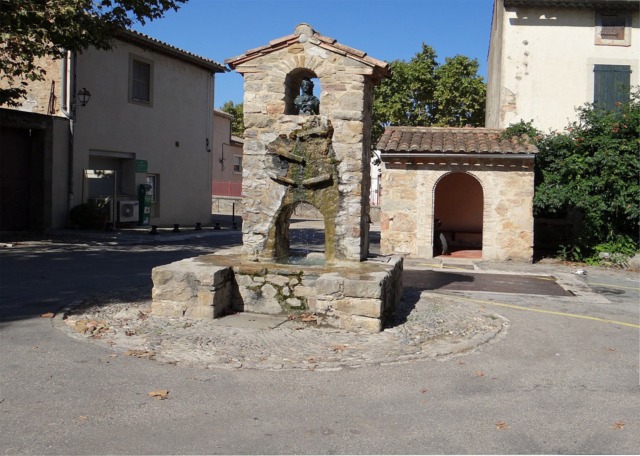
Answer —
68 109
210 130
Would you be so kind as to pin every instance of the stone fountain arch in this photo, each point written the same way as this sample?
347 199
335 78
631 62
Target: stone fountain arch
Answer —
274 172
315 156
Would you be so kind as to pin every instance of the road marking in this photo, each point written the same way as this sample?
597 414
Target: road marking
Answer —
613 286
552 312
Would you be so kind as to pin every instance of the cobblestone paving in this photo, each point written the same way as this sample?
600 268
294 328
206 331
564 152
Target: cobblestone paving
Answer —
426 325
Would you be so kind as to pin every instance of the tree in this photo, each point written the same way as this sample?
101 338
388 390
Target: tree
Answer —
590 171
237 124
33 29
460 93
423 93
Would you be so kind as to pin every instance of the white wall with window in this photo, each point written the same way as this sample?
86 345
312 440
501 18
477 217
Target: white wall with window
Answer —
151 104
544 62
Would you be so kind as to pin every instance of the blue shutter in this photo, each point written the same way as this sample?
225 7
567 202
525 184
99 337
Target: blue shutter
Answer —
612 84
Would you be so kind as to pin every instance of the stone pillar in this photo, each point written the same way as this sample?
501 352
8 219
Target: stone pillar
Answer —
272 76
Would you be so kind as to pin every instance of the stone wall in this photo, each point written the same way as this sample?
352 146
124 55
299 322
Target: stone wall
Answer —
357 297
345 102
408 208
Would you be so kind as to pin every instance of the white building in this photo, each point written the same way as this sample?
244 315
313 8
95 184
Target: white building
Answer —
149 120
549 57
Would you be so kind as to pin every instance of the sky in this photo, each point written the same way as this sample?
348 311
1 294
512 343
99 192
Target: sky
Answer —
384 29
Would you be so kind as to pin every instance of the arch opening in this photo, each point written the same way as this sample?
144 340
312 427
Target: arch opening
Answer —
292 84
458 216
301 243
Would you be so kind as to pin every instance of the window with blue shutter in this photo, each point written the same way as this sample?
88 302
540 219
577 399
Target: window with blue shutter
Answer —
612 84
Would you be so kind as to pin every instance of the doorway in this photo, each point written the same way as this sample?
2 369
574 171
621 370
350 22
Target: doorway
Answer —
458 216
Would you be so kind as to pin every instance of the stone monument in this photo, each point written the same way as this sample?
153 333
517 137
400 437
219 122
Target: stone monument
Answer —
298 148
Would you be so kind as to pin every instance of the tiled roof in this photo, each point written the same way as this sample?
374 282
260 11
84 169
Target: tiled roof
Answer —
381 69
437 140
609 4
145 41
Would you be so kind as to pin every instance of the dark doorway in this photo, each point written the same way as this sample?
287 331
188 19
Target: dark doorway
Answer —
21 179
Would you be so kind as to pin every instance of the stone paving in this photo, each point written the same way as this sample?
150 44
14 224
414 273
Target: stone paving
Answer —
426 325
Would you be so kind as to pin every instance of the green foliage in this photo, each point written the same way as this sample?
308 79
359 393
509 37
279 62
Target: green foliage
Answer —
590 172
32 29
618 250
423 93
236 110
460 93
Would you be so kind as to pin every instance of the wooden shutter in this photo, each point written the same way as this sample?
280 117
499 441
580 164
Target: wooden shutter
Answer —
611 84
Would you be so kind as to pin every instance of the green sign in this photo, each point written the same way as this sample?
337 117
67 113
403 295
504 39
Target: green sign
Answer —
141 166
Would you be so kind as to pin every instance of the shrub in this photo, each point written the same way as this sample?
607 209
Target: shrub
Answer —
589 172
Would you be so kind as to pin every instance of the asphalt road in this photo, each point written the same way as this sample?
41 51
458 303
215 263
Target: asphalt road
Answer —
564 379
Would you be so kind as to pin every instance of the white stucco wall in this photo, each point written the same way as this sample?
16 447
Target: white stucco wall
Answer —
171 134
541 64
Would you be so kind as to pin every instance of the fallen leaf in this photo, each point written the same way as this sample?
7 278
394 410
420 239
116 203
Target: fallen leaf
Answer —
618 424
159 394
48 315
308 317
462 363
338 347
113 355
611 349
140 354
479 373
501 425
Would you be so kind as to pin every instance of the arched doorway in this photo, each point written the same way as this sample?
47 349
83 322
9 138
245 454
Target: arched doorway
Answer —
458 216
301 234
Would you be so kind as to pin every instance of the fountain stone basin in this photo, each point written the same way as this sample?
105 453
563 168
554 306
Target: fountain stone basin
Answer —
351 295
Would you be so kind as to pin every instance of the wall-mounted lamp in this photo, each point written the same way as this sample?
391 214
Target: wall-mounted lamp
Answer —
83 96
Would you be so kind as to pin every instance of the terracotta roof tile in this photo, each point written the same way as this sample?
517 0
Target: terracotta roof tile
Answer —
381 69
608 4
416 140
145 41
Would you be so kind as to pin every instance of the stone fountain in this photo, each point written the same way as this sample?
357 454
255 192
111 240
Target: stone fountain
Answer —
298 149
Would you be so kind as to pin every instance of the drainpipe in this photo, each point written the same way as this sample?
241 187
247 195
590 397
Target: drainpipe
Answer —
68 109
210 132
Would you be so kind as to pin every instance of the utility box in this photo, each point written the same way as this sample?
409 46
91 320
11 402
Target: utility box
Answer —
144 205
128 211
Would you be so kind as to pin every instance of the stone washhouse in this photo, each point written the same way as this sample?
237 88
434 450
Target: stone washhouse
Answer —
298 149
478 185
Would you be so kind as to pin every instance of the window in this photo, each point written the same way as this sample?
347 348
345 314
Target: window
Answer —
613 29
612 84
140 81
237 164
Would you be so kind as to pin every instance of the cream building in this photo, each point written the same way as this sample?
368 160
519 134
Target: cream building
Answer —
226 186
148 120
549 57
